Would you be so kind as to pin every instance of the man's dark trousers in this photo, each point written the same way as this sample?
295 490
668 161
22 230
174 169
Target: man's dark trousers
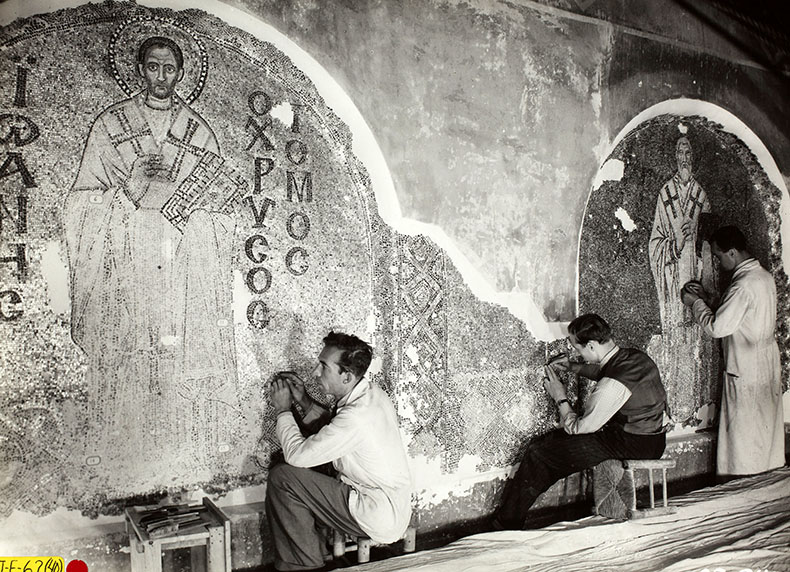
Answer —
297 500
557 454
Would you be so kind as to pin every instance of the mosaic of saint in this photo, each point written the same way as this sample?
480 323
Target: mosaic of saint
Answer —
150 238
206 202
682 177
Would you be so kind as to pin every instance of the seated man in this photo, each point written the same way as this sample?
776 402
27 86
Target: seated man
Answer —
371 495
622 419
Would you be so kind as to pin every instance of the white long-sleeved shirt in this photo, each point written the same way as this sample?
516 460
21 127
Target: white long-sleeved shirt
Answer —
751 428
745 319
605 400
363 442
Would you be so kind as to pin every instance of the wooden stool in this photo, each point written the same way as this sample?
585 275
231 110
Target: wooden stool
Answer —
209 539
341 544
614 488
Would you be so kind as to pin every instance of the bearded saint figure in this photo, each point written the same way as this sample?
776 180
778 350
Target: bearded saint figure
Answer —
677 255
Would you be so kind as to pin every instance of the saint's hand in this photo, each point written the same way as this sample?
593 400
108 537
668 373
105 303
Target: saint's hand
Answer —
684 235
553 385
687 229
280 396
145 169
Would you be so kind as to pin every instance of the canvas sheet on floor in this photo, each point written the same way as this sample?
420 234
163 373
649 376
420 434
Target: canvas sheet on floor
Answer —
742 525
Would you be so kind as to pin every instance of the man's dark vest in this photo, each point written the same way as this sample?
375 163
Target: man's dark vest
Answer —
643 413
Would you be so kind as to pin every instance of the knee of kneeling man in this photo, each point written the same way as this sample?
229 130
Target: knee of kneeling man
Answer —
280 474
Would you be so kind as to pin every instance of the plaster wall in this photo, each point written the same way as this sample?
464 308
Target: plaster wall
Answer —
454 151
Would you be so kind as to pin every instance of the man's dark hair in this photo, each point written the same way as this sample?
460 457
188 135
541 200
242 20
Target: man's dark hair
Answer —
589 327
355 355
160 42
727 237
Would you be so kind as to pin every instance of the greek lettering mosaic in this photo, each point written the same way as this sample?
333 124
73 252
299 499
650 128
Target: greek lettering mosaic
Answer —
181 216
171 195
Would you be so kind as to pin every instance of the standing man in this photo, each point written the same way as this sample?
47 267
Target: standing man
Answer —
751 423
622 419
372 494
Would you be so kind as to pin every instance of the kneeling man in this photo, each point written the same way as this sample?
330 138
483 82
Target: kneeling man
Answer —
371 495
622 419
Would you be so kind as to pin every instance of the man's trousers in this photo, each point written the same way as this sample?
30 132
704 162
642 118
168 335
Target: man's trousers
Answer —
296 501
557 454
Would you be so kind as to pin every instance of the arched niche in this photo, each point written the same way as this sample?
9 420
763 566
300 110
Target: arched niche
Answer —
114 405
620 260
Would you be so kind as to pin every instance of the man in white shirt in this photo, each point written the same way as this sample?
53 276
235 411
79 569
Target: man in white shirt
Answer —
622 419
371 495
751 423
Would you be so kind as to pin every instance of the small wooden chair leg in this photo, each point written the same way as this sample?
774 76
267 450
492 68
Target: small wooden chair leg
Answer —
410 540
197 558
652 492
338 544
363 550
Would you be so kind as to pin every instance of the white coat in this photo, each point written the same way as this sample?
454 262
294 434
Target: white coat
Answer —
751 424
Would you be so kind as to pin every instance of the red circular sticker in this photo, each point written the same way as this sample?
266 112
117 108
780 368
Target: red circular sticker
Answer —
77 566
